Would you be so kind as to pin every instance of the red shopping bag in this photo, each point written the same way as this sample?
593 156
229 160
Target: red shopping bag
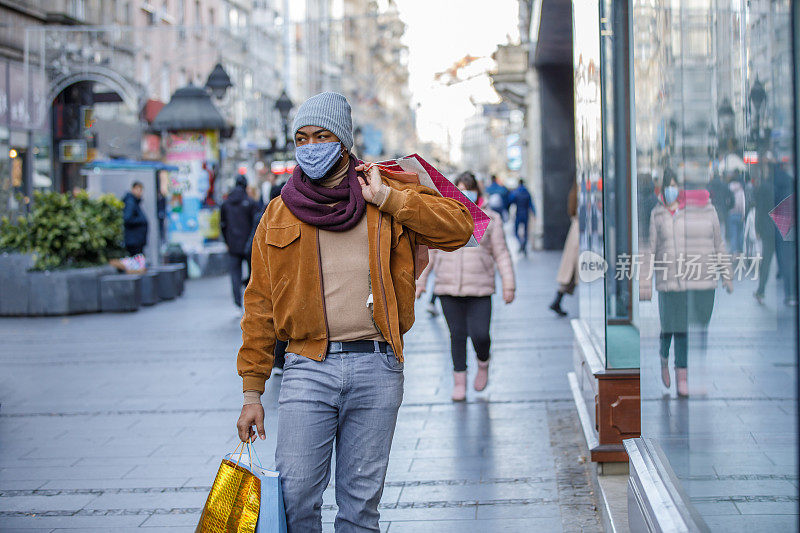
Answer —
784 218
404 168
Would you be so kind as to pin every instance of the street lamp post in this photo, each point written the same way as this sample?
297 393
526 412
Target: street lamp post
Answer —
218 82
284 105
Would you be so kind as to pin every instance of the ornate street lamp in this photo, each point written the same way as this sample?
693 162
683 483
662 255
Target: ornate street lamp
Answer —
284 105
218 82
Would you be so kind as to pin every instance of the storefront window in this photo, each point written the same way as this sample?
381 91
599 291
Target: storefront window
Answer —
622 336
717 312
589 164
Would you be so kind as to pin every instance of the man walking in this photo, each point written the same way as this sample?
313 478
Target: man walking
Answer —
498 197
237 218
333 273
521 198
134 220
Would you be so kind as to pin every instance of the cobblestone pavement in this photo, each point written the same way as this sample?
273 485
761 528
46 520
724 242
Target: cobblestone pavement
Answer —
118 422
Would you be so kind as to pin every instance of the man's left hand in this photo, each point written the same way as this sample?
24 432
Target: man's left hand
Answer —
370 182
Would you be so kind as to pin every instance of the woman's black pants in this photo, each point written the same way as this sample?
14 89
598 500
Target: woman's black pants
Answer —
467 316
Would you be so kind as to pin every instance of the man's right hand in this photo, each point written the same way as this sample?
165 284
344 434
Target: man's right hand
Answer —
252 415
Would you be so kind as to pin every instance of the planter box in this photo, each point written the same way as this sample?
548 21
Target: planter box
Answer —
150 288
177 272
208 263
168 279
14 283
120 293
65 292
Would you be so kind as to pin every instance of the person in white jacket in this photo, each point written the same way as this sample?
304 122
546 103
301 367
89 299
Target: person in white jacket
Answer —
465 282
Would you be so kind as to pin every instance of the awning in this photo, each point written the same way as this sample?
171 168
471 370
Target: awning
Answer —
128 164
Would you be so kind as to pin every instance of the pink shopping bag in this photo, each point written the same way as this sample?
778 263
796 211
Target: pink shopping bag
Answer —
433 179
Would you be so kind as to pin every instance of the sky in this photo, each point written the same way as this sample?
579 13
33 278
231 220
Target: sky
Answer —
438 33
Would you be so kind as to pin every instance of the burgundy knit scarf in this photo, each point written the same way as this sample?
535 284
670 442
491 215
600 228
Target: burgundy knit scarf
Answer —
309 201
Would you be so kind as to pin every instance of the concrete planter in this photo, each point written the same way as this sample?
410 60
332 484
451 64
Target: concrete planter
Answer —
177 276
14 283
150 288
120 293
208 263
167 280
65 292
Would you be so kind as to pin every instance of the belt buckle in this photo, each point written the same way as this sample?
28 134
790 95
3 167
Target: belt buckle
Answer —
335 347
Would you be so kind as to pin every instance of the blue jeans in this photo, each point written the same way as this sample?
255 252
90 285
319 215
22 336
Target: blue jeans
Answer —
734 233
522 237
349 398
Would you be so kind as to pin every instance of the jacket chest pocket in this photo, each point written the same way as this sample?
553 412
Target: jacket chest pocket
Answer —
284 251
283 237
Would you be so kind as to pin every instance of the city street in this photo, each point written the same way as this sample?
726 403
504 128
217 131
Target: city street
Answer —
119 421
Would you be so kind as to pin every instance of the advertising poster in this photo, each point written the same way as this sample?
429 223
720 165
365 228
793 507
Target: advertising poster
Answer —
195 154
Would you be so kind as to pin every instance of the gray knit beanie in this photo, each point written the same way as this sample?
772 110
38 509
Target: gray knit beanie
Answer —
330 111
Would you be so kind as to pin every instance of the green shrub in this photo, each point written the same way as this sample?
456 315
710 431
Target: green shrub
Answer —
66 231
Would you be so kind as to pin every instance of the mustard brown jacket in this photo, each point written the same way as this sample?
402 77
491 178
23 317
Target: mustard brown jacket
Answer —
284 299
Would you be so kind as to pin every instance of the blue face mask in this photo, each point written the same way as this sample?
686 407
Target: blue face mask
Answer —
670 194
316 159
472 196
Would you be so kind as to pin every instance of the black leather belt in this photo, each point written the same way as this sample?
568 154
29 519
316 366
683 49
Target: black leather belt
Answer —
359 346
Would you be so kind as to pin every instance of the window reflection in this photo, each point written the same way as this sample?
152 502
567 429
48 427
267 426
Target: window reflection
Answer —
714 156
588 155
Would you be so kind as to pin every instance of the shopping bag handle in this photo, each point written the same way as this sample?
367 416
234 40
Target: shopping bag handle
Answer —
253 448
241 452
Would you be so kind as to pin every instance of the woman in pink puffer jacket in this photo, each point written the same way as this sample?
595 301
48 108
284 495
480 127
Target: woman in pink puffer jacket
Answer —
465 282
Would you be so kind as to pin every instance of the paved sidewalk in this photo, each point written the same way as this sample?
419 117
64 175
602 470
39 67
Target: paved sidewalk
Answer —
118 422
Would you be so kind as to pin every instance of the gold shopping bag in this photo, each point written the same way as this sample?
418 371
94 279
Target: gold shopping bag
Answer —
233 503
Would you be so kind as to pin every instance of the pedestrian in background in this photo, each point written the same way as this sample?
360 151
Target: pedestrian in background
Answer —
134 220
721 198
498 197
735 223
523 201
567 277
333 273
237 218
684 228
272 187
465 282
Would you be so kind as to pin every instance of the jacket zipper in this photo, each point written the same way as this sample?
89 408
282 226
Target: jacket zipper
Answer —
380 280
322 294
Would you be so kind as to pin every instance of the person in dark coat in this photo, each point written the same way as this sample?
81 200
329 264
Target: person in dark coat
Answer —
498 197
721 198
238 215
522 199
134 220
